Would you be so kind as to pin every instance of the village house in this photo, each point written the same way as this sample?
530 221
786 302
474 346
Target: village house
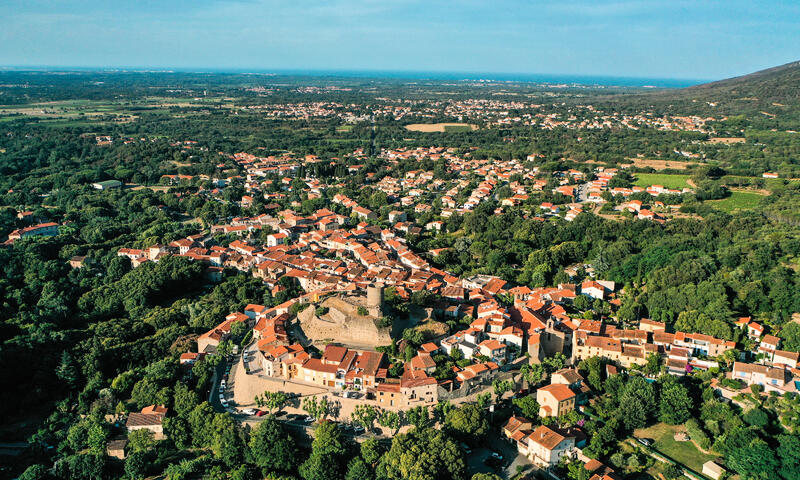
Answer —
117 448
771 378
546 447
572 379
150 418
49 229
209 341
555 400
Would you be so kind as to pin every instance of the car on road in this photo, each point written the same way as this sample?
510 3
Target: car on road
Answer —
645 441
249 411
309 419
260 413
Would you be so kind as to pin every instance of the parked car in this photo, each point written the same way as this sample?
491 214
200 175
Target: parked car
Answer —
496 455
644 441
358 429
309 419
260 413
249 411
493 462
466 448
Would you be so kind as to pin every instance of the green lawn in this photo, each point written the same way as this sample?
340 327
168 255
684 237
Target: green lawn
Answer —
665 180
682 452
737 201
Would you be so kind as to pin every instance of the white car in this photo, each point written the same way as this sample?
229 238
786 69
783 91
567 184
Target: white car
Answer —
224 404
249 411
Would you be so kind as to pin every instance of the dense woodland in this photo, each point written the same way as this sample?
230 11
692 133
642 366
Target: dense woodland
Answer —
80 344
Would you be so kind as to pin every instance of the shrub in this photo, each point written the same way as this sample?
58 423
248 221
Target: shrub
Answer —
697 434
732 383
385 322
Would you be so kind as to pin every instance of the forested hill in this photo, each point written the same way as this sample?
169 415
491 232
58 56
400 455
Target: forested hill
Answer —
775 84
768 98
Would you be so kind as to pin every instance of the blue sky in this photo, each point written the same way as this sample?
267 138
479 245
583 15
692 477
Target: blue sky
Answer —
695 39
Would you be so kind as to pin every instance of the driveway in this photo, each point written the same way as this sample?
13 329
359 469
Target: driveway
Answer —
511 458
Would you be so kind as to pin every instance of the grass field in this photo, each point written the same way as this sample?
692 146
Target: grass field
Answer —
458 128
665 180
737 201
682 452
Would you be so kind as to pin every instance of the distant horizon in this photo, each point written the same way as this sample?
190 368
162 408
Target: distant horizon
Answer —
624 39
587 80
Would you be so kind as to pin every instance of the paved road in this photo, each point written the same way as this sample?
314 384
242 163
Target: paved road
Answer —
213 397
13 448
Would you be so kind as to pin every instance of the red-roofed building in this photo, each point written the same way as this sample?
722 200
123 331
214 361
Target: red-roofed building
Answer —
555 400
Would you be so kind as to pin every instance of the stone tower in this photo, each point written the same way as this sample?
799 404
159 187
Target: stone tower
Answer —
375 299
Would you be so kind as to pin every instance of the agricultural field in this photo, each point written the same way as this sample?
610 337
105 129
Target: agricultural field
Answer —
659 164
737 201
665 180
441 127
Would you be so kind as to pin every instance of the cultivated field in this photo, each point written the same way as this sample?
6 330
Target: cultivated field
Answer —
665 180
441 127
738 200
660 164
727 140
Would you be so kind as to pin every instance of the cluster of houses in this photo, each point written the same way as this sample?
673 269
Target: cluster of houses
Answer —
547 445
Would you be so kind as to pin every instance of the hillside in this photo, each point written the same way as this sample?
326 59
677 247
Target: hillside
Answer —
773 87
769 98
